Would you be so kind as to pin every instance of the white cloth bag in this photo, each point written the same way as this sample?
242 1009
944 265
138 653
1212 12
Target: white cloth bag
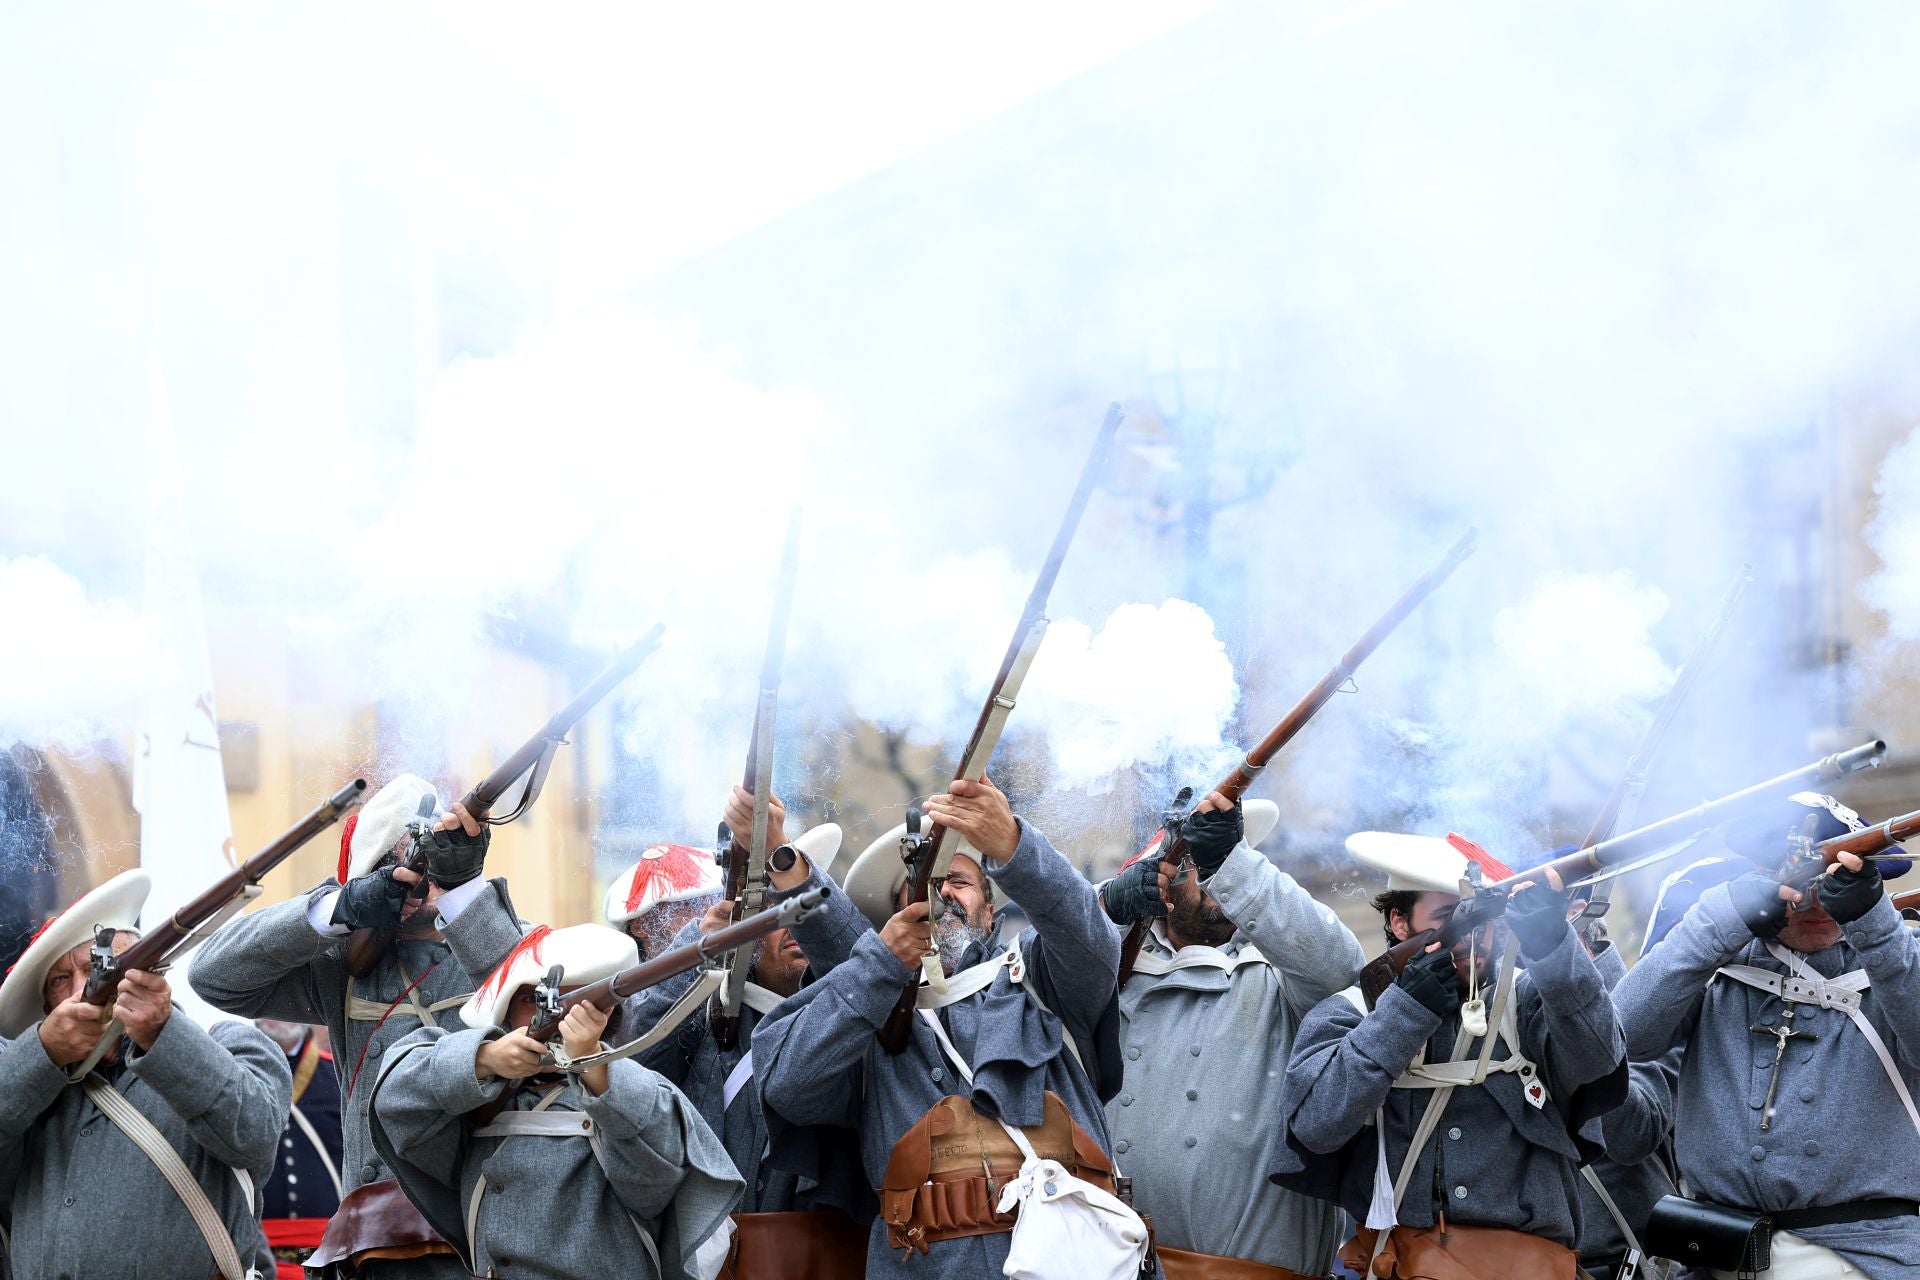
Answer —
1068 1229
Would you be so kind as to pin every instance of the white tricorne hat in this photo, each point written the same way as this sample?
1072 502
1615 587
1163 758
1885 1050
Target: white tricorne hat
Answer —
676 872
585 952
367 836
873 882
1260 817
116 904
1424 864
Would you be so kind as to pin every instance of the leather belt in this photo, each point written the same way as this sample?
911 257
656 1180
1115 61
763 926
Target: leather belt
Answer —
1834 1214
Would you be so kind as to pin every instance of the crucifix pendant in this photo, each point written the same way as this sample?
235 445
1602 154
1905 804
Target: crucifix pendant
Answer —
1781 1034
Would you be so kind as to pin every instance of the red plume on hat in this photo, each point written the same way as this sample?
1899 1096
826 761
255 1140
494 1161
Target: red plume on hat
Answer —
529 946
665 873
1492 867
346 844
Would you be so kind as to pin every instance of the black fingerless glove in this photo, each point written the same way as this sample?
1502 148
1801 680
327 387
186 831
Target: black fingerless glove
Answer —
1134 894
1538 917
1848 895
1430 978
372 901
1757 899
454 857
1212 835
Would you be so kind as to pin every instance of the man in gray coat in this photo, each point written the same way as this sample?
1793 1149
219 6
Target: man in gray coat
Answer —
601 1172
1236 955
1447 1127
1799 1014
719 1080
1040 1019
289 961
84 1161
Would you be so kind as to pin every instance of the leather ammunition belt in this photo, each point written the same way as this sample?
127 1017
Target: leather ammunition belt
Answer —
945 1174
1834 1214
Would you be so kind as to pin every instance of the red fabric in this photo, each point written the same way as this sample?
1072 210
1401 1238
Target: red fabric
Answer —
35 938
1492 866
294 1233
398 1000
1158 836
676 869
346 844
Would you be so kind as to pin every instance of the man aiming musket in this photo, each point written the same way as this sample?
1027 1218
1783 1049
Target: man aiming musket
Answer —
430 926
985 1034
1227 954
134 1140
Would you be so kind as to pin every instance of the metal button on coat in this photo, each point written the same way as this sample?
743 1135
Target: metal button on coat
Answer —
1758 1153
369 1172
1122 1146
69 1202
1812 1148
938 1075
1195 1051
1806 1095
1459 1193
1192 1141
1126 1099
1133 1054
1193 1095
1454 1133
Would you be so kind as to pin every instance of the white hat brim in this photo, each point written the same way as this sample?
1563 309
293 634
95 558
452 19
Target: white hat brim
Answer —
115 903
873 882
1419 864
585 952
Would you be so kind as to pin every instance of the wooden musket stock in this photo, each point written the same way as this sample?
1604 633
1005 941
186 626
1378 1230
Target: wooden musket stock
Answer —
607 994
158 944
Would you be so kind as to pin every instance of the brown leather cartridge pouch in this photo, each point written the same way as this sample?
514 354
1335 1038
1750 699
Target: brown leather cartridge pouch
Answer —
946 1173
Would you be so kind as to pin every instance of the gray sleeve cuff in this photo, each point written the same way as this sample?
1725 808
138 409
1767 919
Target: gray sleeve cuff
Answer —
483 930
451 1072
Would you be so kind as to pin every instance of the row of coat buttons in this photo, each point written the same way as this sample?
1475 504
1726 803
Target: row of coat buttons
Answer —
1133 1052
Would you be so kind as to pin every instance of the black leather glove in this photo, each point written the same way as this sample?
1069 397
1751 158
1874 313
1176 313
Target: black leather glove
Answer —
1848 895
454 857
1538 917
1212 835
372 901
1134 894
1757 899
1430 978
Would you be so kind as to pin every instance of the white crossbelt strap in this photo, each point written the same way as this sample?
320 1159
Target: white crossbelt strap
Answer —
1802 984
1619 1218
153 1144
542 1123
972 981
695 996
326 1157
359 1010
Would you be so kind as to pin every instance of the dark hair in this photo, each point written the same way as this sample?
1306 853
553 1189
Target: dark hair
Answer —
1393 900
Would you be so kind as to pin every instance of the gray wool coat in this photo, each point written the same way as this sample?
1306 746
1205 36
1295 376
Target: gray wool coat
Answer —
819 1061
1636 1141
1839 1133
86 1202
273 963
1206 1048
554 1208
1495 1160
701 1068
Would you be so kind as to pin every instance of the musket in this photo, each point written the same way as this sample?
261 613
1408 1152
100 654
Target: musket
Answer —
1173 845
926 855
746 878
1625 796
1483 902
161 944
607 993
531 761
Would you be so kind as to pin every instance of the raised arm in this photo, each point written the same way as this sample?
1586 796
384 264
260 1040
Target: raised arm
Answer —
273 963
1890 953
229 1083
1659 999
809 1054
480 925
1344 1065
1313 952
1073 950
